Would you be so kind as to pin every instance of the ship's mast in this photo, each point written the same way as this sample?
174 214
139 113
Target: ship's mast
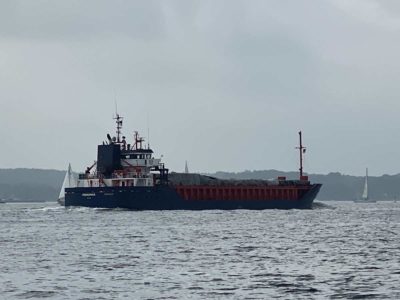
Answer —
302 150
118 119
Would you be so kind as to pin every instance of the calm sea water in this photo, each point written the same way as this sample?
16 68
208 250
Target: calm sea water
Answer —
339 250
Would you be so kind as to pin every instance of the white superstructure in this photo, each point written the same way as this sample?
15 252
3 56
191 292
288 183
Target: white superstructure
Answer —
122 164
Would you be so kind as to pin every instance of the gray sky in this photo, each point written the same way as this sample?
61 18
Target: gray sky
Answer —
226 84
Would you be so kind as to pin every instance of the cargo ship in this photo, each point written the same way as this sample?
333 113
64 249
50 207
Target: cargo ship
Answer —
127 175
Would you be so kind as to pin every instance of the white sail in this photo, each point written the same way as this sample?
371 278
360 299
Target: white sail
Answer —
365 192
69 181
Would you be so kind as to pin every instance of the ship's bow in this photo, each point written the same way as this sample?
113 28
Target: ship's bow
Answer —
307 200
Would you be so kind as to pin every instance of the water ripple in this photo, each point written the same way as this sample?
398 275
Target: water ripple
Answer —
335 251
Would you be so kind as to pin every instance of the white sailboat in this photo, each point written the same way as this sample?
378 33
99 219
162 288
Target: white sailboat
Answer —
69 181
365 192
365 196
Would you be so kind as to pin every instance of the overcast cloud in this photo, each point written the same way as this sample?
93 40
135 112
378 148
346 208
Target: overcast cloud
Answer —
226 84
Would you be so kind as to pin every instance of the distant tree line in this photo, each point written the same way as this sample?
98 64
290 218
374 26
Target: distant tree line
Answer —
30 184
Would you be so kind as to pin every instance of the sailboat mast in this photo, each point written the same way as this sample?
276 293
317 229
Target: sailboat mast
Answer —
69 175
366 183
365 195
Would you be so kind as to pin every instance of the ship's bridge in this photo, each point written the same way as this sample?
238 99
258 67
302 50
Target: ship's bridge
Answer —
139 158
122 164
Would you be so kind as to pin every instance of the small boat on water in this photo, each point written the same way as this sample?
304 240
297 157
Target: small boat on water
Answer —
365 195
69 182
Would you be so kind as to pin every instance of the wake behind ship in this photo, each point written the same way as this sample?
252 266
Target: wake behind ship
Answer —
128 176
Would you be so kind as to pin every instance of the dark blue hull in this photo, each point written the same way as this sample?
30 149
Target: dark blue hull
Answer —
165 197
